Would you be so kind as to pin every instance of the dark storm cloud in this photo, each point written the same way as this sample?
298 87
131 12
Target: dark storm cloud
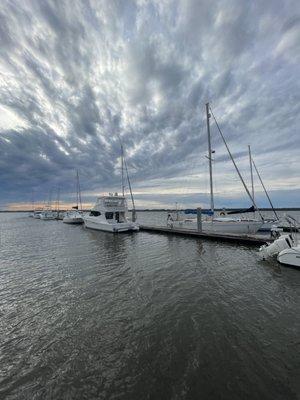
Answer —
76 76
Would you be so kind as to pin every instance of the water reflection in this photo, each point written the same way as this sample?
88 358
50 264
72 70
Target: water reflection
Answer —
88 314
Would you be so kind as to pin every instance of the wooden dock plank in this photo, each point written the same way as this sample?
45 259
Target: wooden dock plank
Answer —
243 239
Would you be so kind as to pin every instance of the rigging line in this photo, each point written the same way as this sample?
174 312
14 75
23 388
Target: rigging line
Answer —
124 164
129 184
236 167
273 209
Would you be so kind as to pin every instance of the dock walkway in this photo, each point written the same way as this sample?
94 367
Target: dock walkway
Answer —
242 239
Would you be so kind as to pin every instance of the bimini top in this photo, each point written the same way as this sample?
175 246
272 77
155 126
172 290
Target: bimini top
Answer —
112 202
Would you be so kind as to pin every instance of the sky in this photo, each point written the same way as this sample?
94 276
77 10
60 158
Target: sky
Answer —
75 76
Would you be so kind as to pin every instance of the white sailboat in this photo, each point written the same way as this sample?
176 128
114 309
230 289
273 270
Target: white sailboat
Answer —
75 216
109 212
222 224
47 214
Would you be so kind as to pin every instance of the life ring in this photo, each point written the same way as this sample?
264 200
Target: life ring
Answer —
222 213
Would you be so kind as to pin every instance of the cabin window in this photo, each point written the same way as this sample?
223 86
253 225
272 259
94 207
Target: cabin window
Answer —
109 215
95 213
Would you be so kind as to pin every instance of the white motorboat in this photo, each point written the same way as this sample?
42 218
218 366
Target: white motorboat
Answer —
47 215
109 214
290 256
273 249
37 214
282 243
75 216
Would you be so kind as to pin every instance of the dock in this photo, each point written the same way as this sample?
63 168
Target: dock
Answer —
239 239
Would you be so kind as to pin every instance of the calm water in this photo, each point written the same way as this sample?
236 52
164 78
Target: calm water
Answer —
91 315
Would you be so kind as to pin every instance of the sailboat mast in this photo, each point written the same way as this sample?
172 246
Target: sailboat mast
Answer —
251 170
129 185
210 159
122 167
79 191
267 194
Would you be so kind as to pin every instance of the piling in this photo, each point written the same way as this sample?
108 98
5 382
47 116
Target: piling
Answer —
199 219
133 215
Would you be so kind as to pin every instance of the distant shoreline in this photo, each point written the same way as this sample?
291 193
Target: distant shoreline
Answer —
171 210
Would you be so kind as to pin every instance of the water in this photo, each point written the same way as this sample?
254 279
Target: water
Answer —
91 315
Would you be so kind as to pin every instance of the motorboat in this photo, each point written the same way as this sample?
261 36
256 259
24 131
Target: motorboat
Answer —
37 214
283 243
109 214
290 256
270 250
47 215
75 216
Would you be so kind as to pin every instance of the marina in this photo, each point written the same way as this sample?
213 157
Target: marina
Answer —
149 200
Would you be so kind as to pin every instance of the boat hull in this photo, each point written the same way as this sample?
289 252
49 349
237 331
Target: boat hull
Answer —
229 227
73 221
92 223
290 256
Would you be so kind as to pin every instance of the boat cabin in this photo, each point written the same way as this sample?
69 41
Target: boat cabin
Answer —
113 208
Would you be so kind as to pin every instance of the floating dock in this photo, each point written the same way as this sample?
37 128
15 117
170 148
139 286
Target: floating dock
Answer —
240 239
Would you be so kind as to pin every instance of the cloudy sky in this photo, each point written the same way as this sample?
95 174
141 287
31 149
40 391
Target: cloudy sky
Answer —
75 75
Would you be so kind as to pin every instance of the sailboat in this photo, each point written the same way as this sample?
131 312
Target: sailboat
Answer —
47 214
222 224
75 216
109 212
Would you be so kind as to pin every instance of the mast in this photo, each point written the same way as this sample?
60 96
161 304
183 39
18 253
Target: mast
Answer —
251 171
271 204
209 159
79 191
58 195
129 184
122 167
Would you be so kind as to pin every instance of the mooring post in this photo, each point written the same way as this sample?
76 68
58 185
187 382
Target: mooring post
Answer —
199 219
133 215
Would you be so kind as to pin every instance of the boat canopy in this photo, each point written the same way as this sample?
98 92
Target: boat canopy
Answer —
194 211
245 210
